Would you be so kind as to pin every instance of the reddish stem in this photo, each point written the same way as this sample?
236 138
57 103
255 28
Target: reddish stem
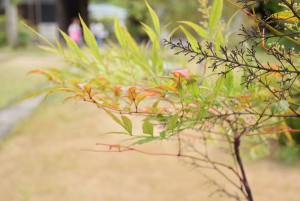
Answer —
121 148
273 132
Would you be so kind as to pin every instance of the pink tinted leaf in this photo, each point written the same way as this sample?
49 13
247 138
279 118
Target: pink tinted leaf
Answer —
81 86
184 72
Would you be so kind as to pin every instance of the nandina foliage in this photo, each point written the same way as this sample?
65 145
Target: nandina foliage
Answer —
236 98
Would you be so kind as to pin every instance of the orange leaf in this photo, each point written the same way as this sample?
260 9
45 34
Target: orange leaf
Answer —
130 92
77 96
85 87
142 96
167 88
48 74
273 67
117 90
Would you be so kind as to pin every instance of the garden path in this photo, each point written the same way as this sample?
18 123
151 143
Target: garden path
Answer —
13 114
15 83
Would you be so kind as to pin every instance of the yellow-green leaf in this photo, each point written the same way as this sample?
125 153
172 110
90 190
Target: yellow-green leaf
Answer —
150 32
154 18
287 16
147 128
89 38
193 87
192 40
229 80
131 44
125 39
219 84
114 117
119 32
73 46
146 140
39 35
172 122
198 29
127 124
215 14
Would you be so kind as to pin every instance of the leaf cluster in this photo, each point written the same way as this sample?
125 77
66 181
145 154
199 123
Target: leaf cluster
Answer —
238 98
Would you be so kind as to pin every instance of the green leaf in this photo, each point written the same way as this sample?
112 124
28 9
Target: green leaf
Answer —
115 132
229 80
146 140
150 32
127 124
119 32
40 36
35 94
114 117
192 40
147 128
162 134
283 105
219 84
73 46
59 45
193 87
287 16
157 62
172 122
154 18
125 39
219 39
215 14
198 29
280 106
132 45
89 38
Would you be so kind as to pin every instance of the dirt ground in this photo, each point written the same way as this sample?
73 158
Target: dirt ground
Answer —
43 160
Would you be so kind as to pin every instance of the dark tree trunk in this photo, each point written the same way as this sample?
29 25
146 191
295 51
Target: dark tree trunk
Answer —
66 10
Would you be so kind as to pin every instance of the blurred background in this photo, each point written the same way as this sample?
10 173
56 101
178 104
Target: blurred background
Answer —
47 16
41 141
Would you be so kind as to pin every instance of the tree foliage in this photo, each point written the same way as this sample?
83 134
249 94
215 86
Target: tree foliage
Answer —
240 99
168 11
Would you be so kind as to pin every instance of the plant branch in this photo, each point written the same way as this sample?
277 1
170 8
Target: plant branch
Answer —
236 144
